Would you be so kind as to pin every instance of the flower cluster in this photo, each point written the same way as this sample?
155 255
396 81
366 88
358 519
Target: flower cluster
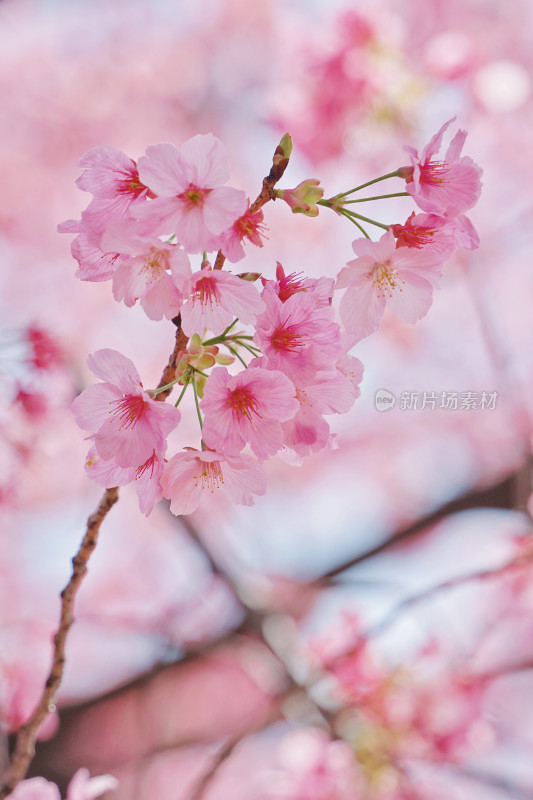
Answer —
145 222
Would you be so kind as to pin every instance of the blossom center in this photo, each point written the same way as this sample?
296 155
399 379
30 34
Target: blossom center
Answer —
130 183
210 476
194 196
149 464
287 338
289 285
242 403
155 264
433 172
413 236
206 291
129 410
386 280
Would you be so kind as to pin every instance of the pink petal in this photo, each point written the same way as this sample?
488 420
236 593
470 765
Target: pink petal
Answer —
160 169
204 161
112 366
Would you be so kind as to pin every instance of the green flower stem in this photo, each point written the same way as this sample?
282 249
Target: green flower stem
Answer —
237 355
162 388
378 197
348 216
352 215
395 174
178 401
221 338
196 402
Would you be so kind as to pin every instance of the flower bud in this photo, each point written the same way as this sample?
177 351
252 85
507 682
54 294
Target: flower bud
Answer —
304 197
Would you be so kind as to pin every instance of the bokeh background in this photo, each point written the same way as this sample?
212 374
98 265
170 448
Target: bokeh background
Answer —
194 638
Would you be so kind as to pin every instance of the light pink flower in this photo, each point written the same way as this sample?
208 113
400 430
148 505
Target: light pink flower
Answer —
401 278
127 425
435 234
189 474
191 201
113 178
250 227
448 187
328 393
154 272
296 336
145 478
217 297
94 264
81 787
247 407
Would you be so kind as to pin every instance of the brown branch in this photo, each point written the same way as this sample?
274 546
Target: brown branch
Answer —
498 496
25 746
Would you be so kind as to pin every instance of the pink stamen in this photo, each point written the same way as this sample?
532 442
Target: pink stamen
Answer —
130 410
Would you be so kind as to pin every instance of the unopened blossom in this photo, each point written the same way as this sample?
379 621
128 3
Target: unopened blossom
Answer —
247 408
249 226
190 475
154 272
216 298
191 201
145 478
303 198
113 178
125 422
81 787
435 234
448 186
297 336
382 275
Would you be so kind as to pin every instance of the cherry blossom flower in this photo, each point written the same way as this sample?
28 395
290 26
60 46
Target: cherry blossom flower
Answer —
127 425
81 787
93 263
190 474
247 407
401 278
217 297
328 393
287 285
296 336
153 271
45 352
145 478
448 187
191 198
113 178
435 234
250 227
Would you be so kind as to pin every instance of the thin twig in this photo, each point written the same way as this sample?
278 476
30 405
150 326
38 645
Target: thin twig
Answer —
25 746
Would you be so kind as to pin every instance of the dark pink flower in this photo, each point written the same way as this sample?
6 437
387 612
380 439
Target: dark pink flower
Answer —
250 227
435 234
448 187
191 201
247 407
127 425
297 336
190 474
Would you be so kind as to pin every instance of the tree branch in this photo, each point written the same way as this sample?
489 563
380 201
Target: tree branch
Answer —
25 746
